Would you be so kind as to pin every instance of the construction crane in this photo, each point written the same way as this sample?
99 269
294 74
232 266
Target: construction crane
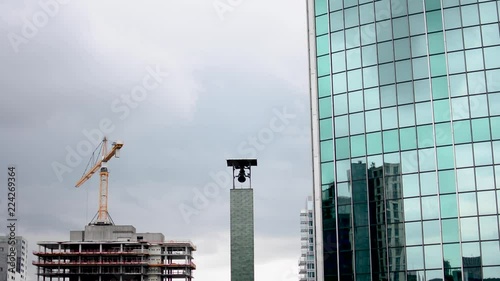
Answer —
103 217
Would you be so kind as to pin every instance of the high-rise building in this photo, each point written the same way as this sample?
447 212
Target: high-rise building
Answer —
405 98
307 268
115 253
21 257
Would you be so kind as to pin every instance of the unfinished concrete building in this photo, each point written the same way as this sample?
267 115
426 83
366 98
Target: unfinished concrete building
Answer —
115 253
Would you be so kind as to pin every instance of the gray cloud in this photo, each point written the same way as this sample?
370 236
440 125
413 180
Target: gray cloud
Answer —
225 79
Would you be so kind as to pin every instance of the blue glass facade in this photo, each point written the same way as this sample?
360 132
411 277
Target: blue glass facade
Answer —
406 133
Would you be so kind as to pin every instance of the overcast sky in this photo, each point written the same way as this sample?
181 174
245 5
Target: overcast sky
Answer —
185 85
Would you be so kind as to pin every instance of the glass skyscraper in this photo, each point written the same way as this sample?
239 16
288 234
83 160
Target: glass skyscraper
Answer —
405 99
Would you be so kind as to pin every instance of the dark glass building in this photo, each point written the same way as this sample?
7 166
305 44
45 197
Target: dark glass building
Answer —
405 99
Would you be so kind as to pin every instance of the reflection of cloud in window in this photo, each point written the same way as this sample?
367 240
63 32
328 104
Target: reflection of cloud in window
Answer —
491 272
460 108
430 208
469 229
490 253
482 153
432 233
412 209
494 102
464 155
465 179
413 231
488 227
468 204
486 202
485 178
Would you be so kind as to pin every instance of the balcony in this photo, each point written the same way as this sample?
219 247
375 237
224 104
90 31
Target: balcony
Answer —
86 263
174 265
92 252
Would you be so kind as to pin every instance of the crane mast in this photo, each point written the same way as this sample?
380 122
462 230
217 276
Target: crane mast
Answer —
103 216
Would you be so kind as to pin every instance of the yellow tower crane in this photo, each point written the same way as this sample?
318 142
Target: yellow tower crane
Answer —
103 217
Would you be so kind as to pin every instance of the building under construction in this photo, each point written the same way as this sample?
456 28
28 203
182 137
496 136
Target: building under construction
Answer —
115 252
108 252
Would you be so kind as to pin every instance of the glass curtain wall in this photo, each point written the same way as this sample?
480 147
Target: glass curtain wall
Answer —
408 95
